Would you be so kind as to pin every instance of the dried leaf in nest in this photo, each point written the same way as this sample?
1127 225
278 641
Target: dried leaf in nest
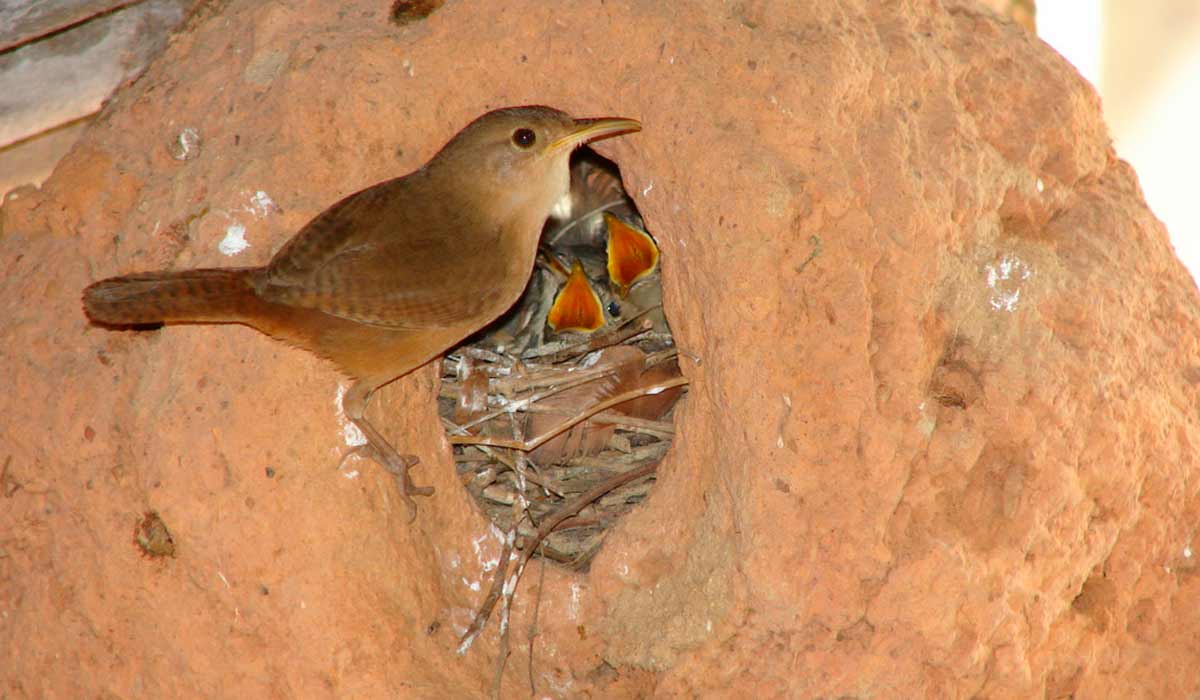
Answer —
636 375
591 436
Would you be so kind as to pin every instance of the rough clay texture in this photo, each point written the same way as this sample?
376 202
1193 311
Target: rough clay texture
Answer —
940 440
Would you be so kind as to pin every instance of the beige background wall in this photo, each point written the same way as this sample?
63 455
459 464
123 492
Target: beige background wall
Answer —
1144 58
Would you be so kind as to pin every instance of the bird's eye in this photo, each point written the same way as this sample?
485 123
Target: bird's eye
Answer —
614 309
524 137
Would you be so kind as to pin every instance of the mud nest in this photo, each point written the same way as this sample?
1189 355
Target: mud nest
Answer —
560 410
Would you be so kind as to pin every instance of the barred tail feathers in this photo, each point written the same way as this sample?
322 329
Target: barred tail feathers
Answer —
211 295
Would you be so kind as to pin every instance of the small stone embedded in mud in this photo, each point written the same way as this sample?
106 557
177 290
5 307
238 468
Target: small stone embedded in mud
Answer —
152 536
186 145
407 11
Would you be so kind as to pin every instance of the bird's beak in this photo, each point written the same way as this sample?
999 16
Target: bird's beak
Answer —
588 130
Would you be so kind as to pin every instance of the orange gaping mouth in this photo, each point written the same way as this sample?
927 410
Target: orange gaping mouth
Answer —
577 306
632 254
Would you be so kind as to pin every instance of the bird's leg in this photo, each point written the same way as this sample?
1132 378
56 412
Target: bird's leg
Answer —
354 404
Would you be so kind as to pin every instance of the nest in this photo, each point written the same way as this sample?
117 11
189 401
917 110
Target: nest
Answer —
560 411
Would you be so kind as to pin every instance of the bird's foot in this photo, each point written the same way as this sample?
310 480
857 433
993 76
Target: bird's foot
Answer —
398 465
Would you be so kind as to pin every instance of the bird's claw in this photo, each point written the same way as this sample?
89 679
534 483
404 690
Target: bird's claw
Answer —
398 466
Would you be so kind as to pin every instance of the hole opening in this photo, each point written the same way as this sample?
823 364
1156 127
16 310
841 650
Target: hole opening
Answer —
582 373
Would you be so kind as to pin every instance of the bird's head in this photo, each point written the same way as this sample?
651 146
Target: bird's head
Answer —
517 159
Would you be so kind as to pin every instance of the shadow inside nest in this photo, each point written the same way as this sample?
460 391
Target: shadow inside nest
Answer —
560 411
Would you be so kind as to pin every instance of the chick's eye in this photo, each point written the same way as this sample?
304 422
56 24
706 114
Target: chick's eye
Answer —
524 137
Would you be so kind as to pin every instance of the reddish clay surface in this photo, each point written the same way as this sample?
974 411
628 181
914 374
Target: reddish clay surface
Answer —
941 434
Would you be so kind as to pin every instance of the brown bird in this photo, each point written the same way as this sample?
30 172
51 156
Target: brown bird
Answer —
392 276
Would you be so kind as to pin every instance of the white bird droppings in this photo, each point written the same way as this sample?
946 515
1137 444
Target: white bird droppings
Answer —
351 435
573 608
1004 279
234 241
261 204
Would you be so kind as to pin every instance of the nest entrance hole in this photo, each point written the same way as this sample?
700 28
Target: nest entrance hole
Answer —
574 388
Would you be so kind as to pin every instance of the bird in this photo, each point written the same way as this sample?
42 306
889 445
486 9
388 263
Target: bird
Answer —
390 277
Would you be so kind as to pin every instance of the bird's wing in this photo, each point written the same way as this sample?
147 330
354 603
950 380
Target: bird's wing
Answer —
387 256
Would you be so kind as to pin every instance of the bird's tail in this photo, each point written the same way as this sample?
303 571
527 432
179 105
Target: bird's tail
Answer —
213 296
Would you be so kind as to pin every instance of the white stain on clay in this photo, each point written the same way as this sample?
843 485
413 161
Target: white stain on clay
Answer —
351 435
1004 279
576 604
261 204
186 145
477 545
234 241
926 424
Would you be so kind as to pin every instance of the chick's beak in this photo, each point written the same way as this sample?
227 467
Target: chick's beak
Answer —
588 130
